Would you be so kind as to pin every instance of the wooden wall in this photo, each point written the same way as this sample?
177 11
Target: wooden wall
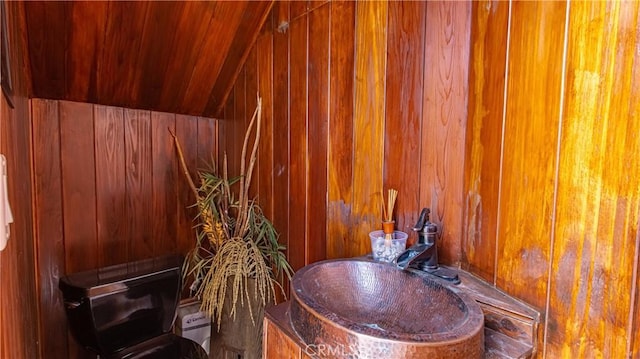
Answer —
552 176
358 98
18 297
107 190
536 189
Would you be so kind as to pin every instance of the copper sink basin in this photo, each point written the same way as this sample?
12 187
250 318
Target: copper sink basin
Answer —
361 309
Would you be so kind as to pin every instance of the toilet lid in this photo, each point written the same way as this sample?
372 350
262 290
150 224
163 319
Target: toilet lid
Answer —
166 346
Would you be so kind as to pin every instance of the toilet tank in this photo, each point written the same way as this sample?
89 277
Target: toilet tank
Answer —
115 307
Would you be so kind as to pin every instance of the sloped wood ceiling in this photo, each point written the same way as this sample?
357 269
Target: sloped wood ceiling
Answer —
171 56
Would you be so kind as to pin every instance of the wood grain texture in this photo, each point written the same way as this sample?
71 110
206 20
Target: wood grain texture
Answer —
207 143
281 126
48 225
212 55
503 241
370 62
484 136
138 183
403 109
251 102
110 185
317 133
187 132
634 312
526 202
77 157
151 55
163 183
278 344
444 120
340 142
146 84
238 123
194 23
85 42
121 35
78 186
598 186
298 141
298 8
119 195
47 42
19 294
264 75
243 40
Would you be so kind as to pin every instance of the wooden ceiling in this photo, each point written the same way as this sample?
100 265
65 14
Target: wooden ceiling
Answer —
178 57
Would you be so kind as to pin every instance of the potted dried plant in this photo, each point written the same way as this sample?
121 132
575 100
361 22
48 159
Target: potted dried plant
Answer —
236 257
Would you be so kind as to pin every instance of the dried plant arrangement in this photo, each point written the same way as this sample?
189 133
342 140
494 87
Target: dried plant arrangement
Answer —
236 244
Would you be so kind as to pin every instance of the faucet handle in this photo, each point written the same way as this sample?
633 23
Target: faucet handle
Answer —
424 218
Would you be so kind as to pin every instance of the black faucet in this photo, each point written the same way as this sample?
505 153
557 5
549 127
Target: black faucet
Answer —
424 254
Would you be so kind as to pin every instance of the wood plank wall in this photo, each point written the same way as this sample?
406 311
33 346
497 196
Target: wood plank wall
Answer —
107 190
552 177
18 296
536 189
358 98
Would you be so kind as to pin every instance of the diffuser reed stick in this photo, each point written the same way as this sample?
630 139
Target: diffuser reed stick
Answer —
387 215
387 208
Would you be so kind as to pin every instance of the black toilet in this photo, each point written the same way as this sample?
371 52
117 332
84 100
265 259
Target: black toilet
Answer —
127 310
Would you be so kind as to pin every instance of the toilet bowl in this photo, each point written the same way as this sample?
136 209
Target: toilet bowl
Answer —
127 310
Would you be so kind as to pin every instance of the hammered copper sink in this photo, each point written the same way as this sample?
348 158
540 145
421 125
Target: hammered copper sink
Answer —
351 308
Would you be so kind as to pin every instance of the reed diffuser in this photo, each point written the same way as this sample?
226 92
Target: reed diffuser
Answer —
387 244
388 223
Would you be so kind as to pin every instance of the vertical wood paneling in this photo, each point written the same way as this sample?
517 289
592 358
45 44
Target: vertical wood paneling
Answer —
114 172
238 124
533 102
298 152
77 157
298 8
187 132
164 171
110 185
281 125
518 229
78 186
598 185
48 224
207 143
445 115
484 130
265 155
317 133
403 117
251 101
19 293
138 183
340 145
634 117
370 60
